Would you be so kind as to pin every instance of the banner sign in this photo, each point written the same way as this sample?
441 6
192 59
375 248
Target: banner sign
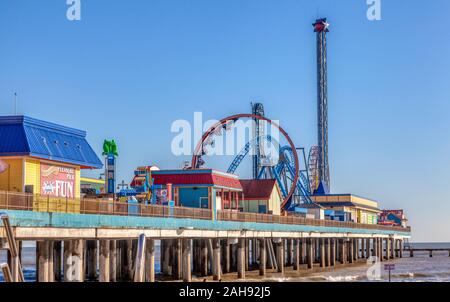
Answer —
57 181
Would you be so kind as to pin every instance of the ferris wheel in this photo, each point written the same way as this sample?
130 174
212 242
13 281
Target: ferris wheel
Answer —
292 180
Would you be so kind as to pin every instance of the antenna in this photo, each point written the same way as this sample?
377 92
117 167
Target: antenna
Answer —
15 103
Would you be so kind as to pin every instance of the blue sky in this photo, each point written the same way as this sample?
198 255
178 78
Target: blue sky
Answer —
128 69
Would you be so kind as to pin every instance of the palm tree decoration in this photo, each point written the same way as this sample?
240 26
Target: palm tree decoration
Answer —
110 148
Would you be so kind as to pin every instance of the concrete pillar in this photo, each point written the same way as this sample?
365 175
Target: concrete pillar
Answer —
310 253
57 260
67 261
388 248
241 259
104 261
332 251
288 252
150 260
262 257
247 254
233 257
351 250
129 252
342 252
280 255
43 249
322 252
216 269
187 277
91 259
302 250
51 262
368 250
226 256
112 260
77 249
254 251
380 249
296 255
177 261
363 247
204 257
375 247
73 260
392 243
327 252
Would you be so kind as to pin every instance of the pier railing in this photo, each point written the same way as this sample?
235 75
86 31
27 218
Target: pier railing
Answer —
40 203
291 219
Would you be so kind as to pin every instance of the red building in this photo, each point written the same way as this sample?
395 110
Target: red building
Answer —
201 188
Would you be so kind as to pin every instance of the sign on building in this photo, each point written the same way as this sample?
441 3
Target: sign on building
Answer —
57 181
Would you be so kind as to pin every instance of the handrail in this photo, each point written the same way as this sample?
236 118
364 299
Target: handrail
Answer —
39 203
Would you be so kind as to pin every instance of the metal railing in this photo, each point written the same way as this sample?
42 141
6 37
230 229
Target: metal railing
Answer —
292 219
39 203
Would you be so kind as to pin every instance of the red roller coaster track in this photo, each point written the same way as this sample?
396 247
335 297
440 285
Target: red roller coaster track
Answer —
212 129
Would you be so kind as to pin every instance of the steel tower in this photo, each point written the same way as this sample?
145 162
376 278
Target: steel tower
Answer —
258 131
321 29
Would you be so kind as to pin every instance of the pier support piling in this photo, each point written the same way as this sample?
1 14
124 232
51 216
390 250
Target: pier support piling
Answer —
204 257
296 255
342 252
280 255
91 259
262 257
150 260
104 261
44 272
322 252
216 268
241 259
112 260
187 255
332 251
310 253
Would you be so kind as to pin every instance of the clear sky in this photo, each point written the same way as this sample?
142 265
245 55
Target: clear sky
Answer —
128 69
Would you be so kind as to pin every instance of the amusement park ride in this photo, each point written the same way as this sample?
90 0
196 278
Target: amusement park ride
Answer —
298 176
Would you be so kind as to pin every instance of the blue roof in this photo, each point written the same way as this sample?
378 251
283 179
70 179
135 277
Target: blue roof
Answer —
25 136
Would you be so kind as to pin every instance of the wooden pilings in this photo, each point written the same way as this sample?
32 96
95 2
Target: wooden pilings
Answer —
296 254
91 259
104 261
241 259
187 254
309 253
150 260
280 255
180 257
45 261
322 252
216 269
262 257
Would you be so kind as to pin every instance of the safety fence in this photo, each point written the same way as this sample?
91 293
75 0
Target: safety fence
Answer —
41 203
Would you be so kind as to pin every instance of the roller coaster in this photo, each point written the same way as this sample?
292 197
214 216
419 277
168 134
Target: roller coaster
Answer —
296 178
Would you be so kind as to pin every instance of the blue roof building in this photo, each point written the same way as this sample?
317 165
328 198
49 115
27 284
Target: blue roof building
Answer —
26 136
43 158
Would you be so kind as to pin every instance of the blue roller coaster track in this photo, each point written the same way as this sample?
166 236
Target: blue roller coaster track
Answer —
283 171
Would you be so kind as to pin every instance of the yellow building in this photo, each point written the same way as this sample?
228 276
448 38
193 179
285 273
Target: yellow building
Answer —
43 158
350 207
261 196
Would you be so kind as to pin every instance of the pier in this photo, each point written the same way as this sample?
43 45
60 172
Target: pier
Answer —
104 240
429 250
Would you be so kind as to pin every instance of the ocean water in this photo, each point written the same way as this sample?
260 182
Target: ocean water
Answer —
420 268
